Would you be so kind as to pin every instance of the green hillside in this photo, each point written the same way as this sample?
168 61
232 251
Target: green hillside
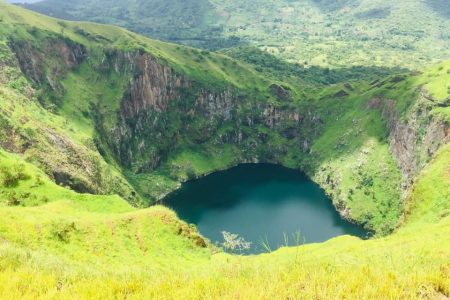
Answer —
320 33
144 165
98 124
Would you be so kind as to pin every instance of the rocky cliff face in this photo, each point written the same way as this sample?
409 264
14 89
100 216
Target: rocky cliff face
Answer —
161 109
154 86
48 63
416 137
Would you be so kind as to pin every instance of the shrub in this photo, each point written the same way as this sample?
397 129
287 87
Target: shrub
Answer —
190 172
33 30
12 199
39 180
7 178
233 242
367 181
11 177
62 231
62 24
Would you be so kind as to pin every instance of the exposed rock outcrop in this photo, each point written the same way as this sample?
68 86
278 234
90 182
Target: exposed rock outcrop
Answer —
161 108
415 137
281 92
273 116
154 86
33 61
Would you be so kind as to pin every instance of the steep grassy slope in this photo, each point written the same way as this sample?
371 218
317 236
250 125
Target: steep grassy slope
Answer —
320 33
62 150
40 215
96 247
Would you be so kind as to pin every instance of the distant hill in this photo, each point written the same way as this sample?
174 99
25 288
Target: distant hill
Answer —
314 32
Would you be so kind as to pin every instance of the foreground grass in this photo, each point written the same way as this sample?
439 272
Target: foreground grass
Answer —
405 266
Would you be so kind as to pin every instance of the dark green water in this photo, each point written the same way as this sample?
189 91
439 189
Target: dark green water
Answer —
260 202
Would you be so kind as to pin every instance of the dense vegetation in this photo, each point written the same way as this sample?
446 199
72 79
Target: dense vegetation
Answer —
181 21
78 169
273 66
308 32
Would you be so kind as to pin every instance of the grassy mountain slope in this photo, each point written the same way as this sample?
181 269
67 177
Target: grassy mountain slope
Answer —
62 102
321 33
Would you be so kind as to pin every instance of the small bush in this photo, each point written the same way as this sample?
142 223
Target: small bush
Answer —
367 181
12 199
190 173
233 242
7 178
62 231
11 177
39 180
82 32
62 24
33 30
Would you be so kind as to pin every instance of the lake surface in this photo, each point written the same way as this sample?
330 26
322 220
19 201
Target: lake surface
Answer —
262 203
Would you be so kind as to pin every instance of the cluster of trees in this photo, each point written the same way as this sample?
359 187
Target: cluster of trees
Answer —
268 63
